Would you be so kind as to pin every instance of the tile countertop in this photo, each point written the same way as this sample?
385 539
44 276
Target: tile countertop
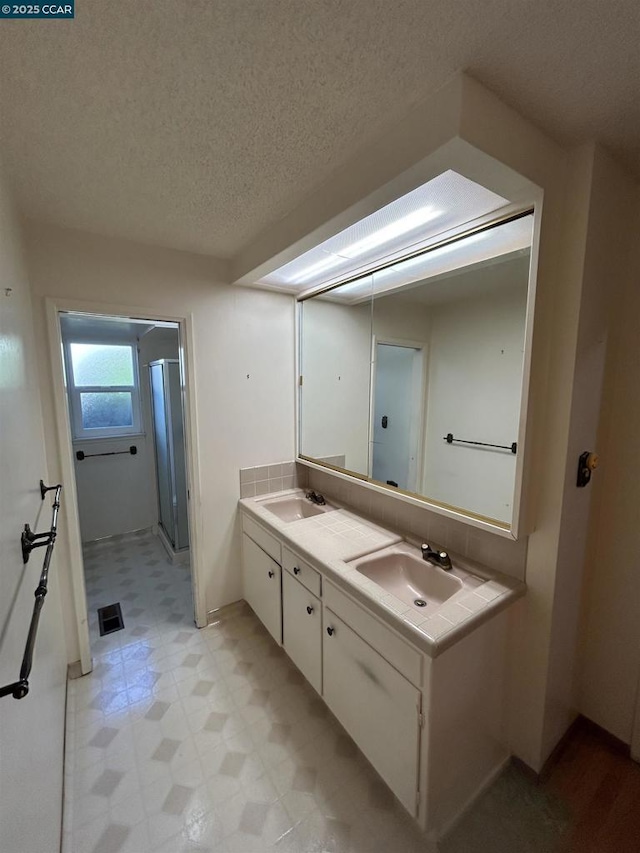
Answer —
330 540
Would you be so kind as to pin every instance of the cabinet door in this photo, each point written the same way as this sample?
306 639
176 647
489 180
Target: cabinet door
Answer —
376 705
261 579
302 629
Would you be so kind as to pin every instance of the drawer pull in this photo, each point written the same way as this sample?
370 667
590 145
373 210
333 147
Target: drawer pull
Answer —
296 570
271 574
309 609
330 631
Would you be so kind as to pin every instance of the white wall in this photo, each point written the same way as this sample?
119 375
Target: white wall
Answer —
336 365
395 319
114 492
244 364
31 729
475 381
609 650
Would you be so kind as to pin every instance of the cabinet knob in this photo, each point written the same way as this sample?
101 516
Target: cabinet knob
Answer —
296 570
270 574
330 631
309 609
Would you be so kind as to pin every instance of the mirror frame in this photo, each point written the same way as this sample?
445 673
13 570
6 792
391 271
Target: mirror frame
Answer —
518 526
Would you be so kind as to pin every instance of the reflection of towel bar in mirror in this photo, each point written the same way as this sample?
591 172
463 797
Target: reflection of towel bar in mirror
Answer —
513 447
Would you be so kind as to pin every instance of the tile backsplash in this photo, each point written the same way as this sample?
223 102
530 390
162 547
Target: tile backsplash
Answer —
276 477
503 555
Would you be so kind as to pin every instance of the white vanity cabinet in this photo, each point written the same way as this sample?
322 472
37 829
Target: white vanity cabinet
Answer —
377 706
262 584
369 677
432 726
302 629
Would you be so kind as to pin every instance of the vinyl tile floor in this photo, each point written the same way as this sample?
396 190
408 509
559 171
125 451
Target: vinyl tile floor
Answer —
210 741
206 740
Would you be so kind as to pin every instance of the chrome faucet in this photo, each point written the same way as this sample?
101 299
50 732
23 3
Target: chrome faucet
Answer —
439 558
315 498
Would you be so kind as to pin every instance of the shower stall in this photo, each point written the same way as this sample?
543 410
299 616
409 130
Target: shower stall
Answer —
168 433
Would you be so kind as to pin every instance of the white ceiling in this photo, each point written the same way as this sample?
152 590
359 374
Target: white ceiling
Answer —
197 123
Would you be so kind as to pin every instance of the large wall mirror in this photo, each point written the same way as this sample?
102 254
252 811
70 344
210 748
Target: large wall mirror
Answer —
413 375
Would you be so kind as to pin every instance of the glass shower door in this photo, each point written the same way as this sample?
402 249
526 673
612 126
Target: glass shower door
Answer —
163 452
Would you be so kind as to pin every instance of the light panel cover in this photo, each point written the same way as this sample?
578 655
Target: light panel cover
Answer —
409 223
475 249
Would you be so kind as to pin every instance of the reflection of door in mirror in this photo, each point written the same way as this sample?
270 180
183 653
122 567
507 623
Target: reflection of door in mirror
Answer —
398 393
473 323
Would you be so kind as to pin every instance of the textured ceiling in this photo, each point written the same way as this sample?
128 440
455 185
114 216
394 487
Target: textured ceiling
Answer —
196 123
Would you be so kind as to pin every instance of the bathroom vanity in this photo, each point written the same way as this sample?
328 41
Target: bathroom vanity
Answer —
410 658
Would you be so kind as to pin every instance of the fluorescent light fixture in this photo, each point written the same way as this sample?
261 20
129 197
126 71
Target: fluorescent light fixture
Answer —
475 249
402 227
446 202
321 266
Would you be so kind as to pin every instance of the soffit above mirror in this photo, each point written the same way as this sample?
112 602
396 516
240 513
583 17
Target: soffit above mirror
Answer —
411 222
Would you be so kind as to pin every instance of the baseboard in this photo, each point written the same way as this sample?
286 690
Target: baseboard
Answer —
74 670
226 611
580 725
117 537
612 741
484 785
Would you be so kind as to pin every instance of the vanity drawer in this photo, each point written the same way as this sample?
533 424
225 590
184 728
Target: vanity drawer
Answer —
302 571
405 658
265 540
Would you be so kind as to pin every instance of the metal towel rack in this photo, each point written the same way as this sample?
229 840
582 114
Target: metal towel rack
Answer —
449 438
30 540
80 454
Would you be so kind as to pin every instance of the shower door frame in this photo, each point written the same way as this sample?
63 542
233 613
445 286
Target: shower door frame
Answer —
170 450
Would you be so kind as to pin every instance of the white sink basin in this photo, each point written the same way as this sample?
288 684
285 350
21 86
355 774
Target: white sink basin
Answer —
295 507
401 571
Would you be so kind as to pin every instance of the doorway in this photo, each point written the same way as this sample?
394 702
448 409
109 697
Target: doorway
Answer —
398 395
113 436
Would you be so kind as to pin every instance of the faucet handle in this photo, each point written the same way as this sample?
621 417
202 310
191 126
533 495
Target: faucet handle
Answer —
425 547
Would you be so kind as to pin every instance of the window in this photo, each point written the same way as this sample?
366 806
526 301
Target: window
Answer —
103 389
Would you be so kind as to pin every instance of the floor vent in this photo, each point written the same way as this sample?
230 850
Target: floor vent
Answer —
110 618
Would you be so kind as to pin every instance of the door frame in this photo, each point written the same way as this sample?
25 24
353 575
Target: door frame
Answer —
70 518
421 346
